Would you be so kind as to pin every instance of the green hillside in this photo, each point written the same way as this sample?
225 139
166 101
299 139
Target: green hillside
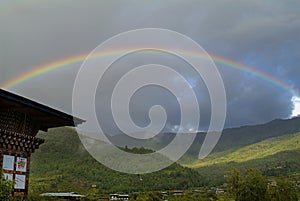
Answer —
233 139
278 156
246 135
258 150
62 164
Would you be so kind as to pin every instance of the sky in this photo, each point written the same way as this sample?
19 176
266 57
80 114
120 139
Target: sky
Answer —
263 35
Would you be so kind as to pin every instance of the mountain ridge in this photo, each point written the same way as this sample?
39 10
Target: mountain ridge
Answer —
273 128
62 163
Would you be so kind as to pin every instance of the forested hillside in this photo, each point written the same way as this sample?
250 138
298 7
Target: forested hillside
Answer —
62 164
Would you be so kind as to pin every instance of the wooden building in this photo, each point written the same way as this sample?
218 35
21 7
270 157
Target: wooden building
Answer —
20 121
68 196
119 197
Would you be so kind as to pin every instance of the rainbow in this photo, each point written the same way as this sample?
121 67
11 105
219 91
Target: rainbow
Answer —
43 69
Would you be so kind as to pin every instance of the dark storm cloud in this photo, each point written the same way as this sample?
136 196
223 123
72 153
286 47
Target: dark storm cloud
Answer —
261 34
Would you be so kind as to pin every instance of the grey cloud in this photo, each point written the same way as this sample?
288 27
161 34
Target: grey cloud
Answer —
261 34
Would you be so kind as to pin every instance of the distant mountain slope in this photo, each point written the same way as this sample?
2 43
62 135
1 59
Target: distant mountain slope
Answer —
278 156
235 138
246 135
258 150
281 164
62 164
231 138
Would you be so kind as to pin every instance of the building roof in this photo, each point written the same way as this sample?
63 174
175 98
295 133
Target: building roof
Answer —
65 195
45 116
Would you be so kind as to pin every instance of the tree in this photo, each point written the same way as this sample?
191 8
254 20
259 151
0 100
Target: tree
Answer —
284 190
5 188
149 196
253 186
235 180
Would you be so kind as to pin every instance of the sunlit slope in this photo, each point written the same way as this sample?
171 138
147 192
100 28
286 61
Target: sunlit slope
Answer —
233 139
260 150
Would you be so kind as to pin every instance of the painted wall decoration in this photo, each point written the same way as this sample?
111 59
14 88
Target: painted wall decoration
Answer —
20 181
21 164
8 162
15 169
